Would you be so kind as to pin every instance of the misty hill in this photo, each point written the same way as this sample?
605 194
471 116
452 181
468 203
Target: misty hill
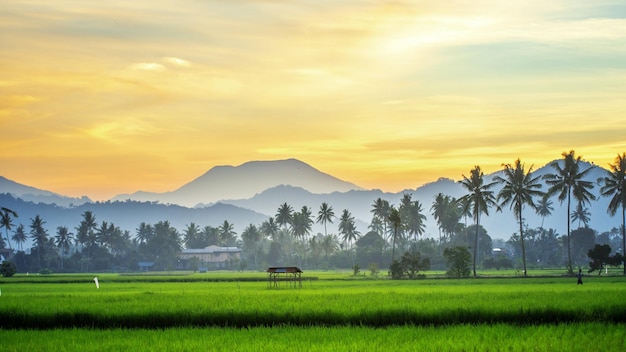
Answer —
129 214
244 181
36 195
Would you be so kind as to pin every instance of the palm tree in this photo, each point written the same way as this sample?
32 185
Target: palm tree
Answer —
39 236
62 240
6 221
269 228
568 180
544 208
227 234
479 199
417 220
347 227
284 215
329 246
396 221
381 210
520 187
307 218
19 237
192 236
438 210
581 214
614 186
144 232
326 214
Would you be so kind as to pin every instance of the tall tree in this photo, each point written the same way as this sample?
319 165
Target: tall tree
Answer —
39 235
63 240
520 187
193 236
329 245
395 220
479 199
416 225
269 228
347 227
544 209
251 237
581 214
614 186
380 210
284 215
307 217
438 210
19 237
144 233
567 181
228 236
325 215
6 221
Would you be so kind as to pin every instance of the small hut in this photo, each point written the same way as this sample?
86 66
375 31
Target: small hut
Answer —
291 275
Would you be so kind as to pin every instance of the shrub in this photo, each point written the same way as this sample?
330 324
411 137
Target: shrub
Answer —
8 268
459 259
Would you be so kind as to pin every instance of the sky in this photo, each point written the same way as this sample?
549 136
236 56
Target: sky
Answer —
100 98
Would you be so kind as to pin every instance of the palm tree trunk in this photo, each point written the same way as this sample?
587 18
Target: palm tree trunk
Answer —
569 250
521 236
476 242
623 240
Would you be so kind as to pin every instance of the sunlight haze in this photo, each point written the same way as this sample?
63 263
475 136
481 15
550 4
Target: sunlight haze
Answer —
100 98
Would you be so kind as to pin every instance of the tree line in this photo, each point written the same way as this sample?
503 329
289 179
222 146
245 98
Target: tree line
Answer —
287 237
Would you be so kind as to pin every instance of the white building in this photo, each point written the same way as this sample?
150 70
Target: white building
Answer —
213 256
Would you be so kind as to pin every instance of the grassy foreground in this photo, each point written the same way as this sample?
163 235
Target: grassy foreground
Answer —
174 312
498 337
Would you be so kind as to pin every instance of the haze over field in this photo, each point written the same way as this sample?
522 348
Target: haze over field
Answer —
105 98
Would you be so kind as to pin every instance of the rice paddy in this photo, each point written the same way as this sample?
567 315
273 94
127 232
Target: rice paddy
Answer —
242 312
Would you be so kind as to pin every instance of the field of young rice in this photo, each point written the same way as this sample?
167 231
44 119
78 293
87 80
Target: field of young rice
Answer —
242 314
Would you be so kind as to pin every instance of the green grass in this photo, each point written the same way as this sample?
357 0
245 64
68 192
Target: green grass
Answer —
239 312
498 337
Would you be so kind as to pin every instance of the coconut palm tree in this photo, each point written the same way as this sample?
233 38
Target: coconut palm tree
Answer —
479 199
380 210
520 187
614 186
347 227
269 228
19 237
6 221
62 240
284 215
39 236
395 220
544 208
325 215
567 181
329 245
227 234
581 214
438 210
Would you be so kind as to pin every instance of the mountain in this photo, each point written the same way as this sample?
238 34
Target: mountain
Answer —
244 181
264 204
36 195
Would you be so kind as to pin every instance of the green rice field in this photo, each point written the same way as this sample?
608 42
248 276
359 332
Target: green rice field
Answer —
333 311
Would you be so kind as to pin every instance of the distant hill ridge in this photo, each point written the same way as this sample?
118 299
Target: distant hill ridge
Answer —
246 180
268 193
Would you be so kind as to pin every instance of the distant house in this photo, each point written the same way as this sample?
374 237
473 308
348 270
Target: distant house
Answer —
145 266
212 256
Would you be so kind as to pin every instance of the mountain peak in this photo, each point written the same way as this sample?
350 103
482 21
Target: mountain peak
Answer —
250 178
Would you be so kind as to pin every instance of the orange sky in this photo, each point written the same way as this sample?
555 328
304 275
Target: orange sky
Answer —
103 98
